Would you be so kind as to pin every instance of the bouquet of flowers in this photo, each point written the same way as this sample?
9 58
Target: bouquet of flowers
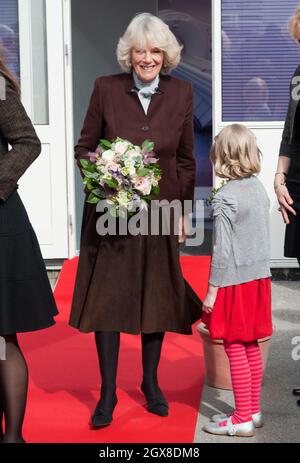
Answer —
125 175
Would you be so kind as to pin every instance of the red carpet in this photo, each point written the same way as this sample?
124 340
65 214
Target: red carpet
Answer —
64 379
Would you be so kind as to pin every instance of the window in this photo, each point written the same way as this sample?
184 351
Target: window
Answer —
39 58
9 35
258 59
32 48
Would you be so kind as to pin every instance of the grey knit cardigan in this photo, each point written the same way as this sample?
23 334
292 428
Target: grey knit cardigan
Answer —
17 130
241 233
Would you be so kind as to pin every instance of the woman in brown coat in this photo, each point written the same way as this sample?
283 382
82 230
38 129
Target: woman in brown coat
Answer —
26 299
134 284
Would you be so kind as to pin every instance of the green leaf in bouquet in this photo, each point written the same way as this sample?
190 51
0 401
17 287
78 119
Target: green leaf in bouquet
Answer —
111 183
142 171
92 199
100 193
105 143
85 163
88 174
149 145
147 198
155 190
90 186
137 158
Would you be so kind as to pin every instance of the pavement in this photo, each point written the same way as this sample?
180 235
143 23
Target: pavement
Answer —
282 374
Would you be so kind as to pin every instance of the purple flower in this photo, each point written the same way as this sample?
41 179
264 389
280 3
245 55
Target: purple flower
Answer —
150 161
92 157
148 157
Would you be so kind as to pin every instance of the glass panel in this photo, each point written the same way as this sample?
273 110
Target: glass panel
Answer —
258 59
39 61
190 21
9 35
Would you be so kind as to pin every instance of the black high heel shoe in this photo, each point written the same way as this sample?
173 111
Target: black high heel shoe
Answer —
102 417
156 404
296 391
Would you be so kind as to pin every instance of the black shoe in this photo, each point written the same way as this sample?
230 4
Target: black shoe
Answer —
296 391
298 402
18 440
156 404
102 417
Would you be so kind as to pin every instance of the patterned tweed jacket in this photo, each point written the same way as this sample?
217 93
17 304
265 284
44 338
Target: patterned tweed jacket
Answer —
17 131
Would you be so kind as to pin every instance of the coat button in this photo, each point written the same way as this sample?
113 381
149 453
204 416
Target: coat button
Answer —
145 128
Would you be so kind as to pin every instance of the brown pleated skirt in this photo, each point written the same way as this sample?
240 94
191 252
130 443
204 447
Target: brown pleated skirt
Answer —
131 284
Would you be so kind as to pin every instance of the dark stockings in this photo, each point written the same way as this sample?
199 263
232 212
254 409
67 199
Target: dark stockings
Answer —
108 344
13 390
151 350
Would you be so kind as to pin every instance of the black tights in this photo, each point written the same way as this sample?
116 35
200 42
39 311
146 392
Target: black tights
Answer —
151 350
108 344
13 390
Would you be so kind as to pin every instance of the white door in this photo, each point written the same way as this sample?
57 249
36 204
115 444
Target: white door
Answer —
44 187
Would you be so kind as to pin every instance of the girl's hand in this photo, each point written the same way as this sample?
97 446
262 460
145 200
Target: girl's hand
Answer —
285 202
210 299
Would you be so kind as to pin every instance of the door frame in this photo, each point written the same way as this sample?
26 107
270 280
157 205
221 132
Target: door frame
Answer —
64 24
69 115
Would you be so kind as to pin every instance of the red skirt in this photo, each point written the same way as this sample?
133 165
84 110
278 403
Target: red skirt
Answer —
241 312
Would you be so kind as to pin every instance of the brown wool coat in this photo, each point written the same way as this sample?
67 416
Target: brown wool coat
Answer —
137 280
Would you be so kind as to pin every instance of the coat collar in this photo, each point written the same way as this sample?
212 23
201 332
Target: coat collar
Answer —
129 83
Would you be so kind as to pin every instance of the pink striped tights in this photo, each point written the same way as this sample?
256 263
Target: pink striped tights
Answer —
246 368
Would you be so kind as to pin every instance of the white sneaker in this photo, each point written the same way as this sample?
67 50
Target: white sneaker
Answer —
241 429
256 417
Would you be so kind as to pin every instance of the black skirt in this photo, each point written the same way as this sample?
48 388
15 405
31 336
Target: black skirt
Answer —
292 234
26 298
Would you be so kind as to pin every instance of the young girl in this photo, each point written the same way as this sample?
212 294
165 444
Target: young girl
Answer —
237 307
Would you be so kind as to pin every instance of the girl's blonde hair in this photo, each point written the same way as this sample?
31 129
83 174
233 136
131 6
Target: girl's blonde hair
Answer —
145 29
295 24
234 153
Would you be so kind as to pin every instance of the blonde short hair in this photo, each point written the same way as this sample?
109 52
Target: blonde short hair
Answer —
234 153
295 24
145 29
